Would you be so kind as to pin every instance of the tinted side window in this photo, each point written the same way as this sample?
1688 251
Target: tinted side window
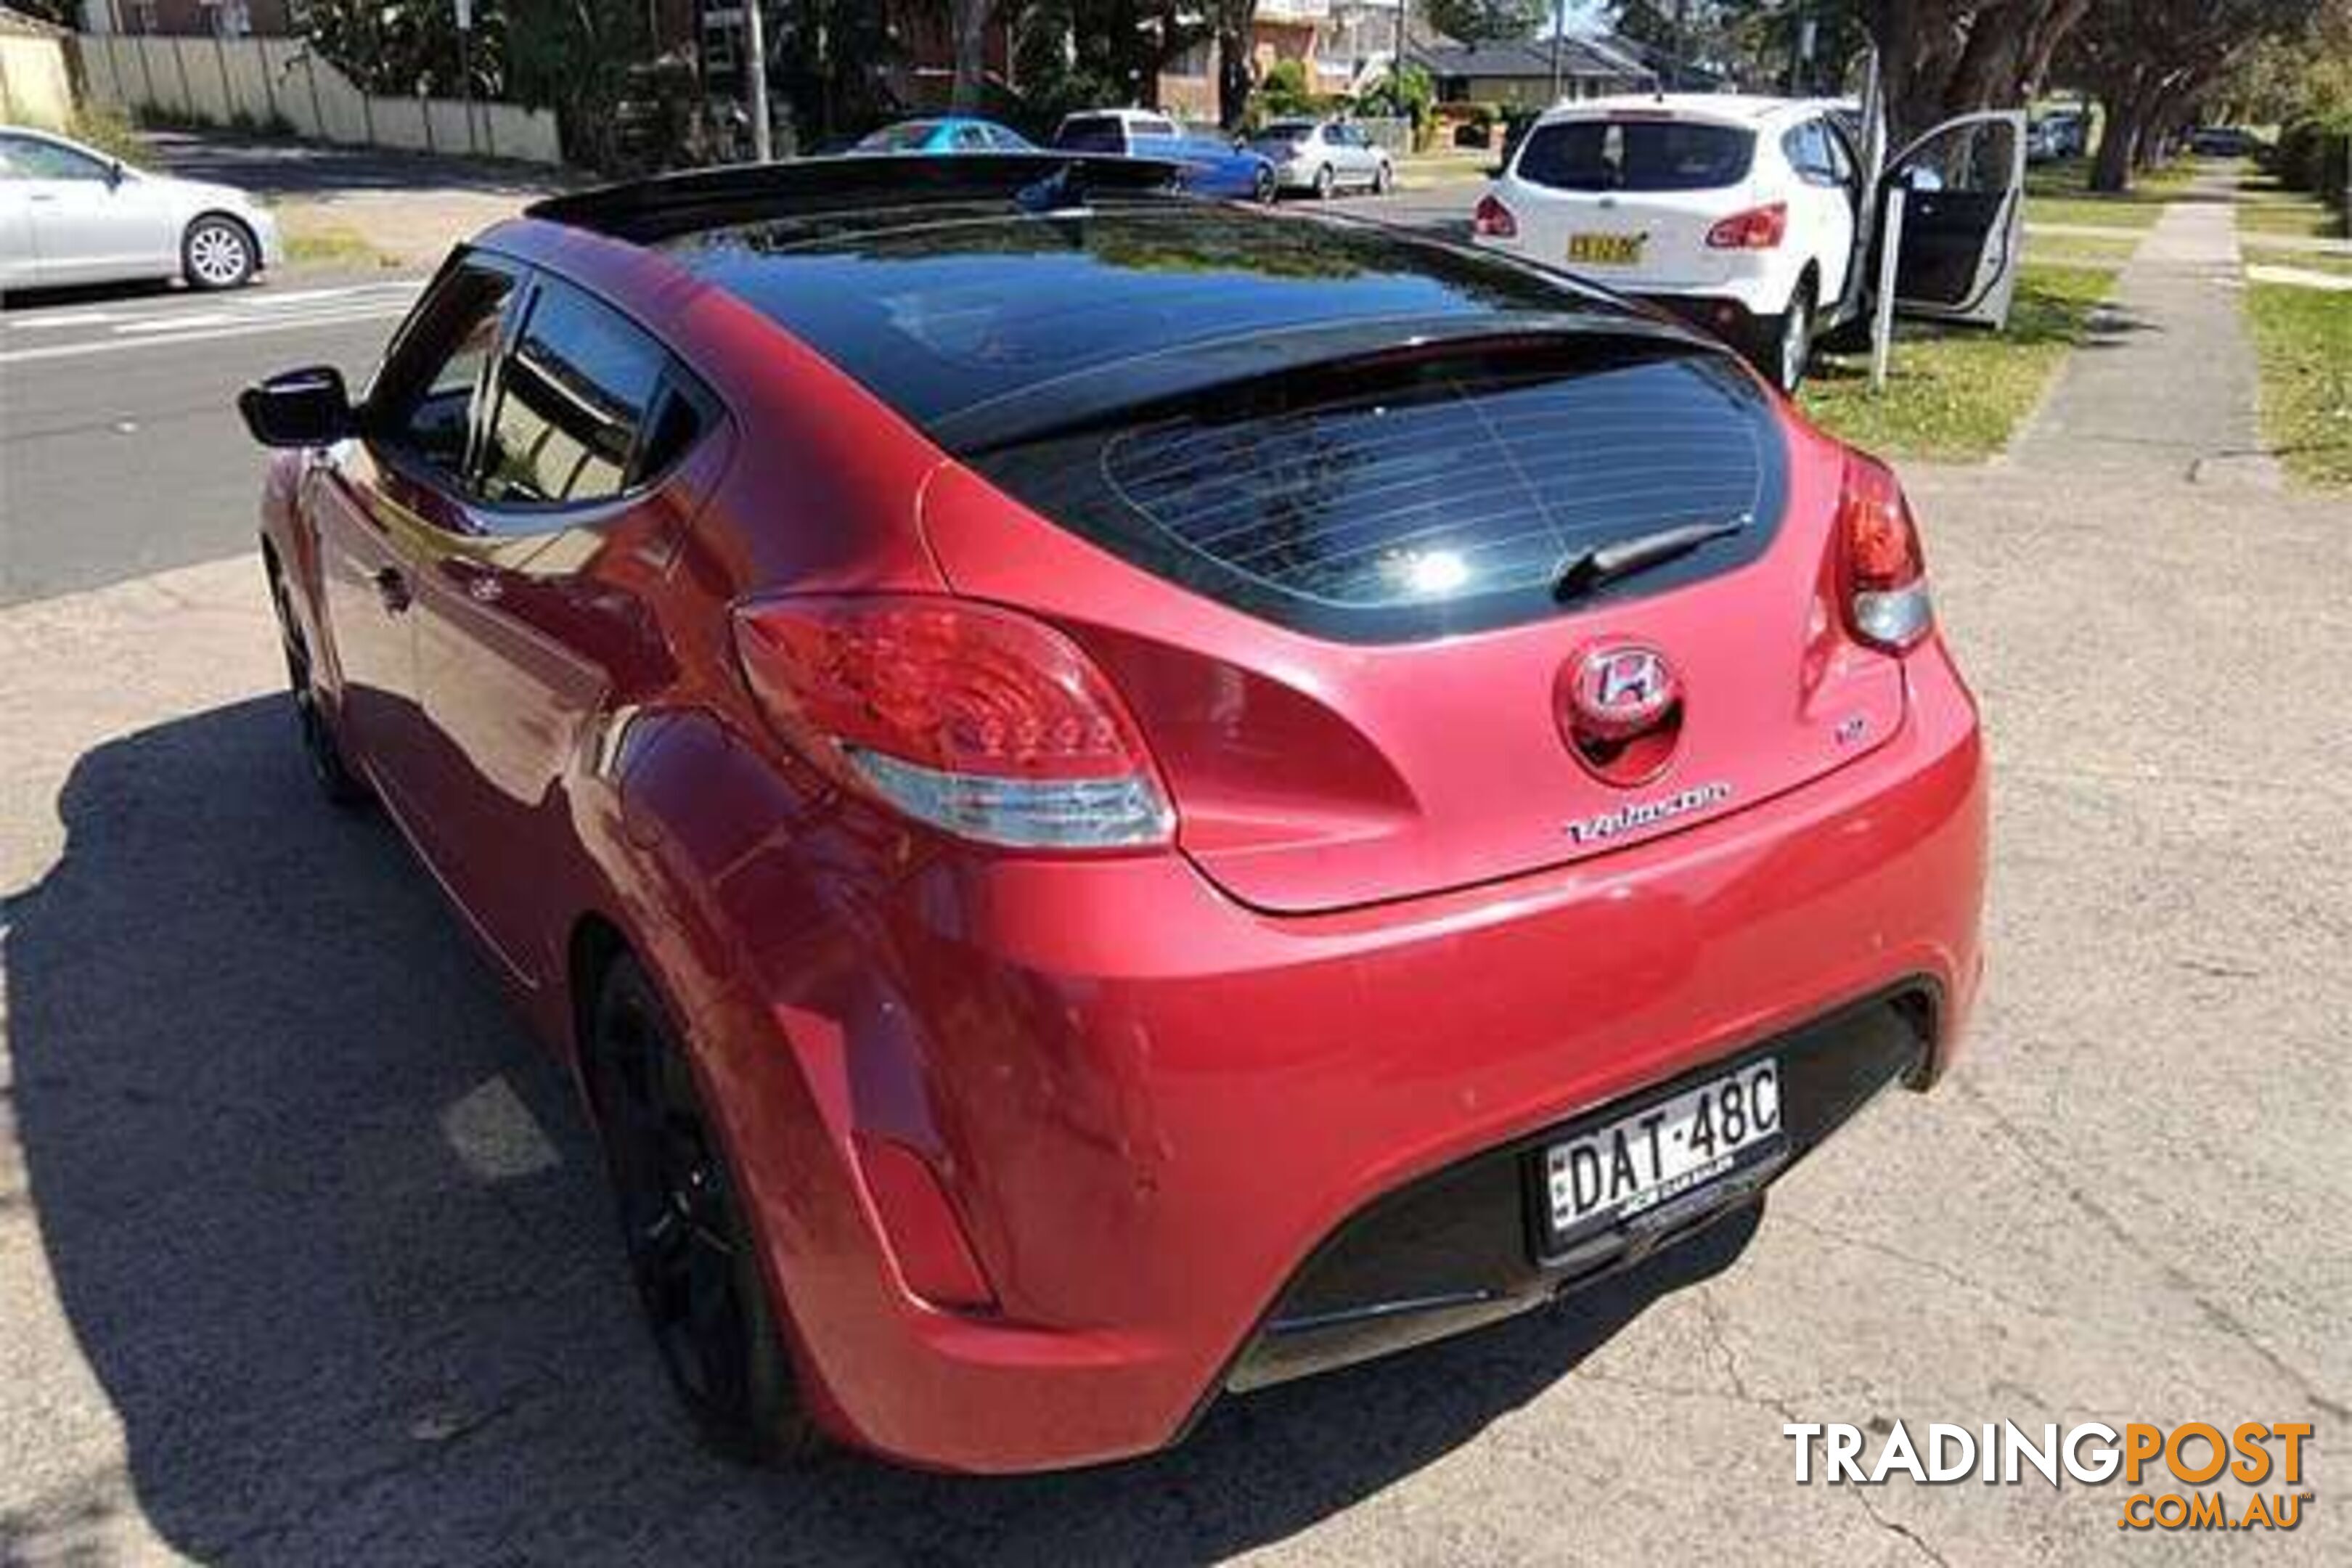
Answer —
572 397
1808 151
423 404
34 159
1092 133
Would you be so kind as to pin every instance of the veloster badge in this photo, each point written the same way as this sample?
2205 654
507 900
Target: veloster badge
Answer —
1608 824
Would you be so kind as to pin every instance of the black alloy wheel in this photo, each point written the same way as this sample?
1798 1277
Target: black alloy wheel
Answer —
689 1253
322 751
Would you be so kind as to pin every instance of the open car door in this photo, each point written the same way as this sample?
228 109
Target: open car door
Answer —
1963 217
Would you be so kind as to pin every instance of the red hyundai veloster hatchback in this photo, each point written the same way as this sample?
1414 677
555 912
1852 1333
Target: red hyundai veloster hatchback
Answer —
1115 798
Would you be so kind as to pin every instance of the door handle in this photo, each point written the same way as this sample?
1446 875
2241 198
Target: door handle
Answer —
392 587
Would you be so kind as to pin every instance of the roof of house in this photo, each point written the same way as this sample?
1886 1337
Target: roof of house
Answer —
1526 58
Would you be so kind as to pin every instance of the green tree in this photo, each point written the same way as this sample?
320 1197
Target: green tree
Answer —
578 58
2152 62
1479 21
402 47
1089 53
1942 57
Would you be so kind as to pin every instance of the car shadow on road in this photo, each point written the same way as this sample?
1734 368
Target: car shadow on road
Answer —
334 1243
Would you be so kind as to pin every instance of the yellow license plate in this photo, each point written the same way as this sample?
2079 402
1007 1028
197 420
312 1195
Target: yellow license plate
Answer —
1606 249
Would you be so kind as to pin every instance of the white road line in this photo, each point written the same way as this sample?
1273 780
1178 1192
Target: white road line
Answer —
259 306
211 334
181 323
65 319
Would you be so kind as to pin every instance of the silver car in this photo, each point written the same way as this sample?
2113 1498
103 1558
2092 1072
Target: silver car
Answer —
70 214
1323 156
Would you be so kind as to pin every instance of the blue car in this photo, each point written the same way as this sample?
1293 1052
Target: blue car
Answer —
945 133
1213 166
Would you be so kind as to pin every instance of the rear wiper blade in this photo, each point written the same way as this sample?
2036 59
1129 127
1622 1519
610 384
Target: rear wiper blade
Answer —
1586 569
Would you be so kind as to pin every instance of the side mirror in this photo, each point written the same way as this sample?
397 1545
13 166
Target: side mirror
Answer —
114 174
305 408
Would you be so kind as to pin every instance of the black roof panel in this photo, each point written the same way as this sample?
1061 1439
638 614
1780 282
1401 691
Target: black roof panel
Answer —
948 308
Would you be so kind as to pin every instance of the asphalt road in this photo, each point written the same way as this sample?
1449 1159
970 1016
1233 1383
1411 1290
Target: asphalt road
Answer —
305 1255
121 450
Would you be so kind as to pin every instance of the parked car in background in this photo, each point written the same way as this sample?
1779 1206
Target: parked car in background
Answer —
2224 142
2064 133
1213 166
1115 803
1758 216
1322 156
71 214
944 133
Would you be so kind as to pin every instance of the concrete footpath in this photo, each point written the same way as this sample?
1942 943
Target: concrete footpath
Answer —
2166 387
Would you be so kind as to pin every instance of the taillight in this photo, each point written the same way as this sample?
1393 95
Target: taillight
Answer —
973 718
1758 228
1885 574
1493 220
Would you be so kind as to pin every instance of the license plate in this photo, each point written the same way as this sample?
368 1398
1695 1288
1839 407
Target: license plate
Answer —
1646 1158
1606 249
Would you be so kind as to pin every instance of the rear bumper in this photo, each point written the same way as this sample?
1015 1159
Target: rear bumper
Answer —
1150 1107
1725 317
1461 1248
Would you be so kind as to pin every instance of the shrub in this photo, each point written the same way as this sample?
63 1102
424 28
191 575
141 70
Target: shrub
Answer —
108 133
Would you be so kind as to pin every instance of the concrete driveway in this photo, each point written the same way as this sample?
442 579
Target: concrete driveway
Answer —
305 1257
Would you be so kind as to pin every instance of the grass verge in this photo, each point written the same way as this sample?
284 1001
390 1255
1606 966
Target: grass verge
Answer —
2265 207
2078 249
2094 212
2061 193
313 239
2303 338
1958 393
2260 255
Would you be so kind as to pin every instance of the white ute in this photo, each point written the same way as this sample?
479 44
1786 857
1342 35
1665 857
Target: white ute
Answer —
1757 217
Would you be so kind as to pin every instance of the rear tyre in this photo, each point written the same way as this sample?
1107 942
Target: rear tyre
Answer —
1323 183
690 1256
322 749
1382 178
218 253
1266 186
1788 347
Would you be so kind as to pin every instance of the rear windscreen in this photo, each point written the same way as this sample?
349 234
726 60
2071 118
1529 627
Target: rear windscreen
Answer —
1431 496
1636 156
901 138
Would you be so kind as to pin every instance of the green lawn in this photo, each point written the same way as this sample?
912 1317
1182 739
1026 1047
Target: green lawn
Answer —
2261 255
2264 206
2078 249
1960 392
2304 338
2061 193
2094 212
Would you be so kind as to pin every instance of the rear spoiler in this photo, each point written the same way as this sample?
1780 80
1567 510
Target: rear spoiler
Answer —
1230 366
646 211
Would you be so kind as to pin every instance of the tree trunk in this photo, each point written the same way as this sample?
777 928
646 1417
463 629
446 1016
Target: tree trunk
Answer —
2122 113
1232 78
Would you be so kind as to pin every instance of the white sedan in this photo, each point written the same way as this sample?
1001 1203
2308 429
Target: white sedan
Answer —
70 214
